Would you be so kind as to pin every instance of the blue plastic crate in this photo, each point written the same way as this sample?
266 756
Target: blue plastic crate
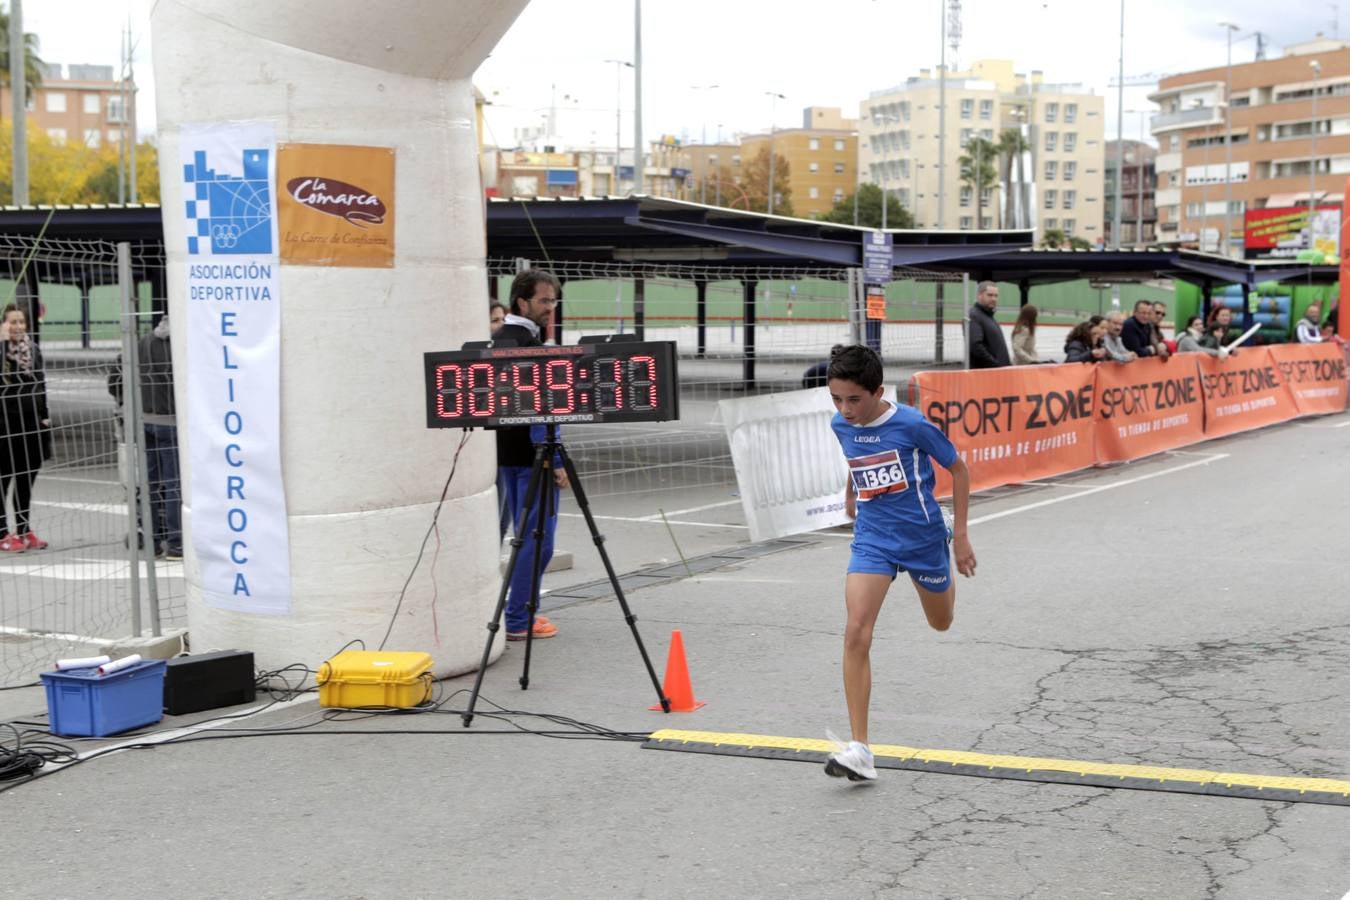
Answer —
82 703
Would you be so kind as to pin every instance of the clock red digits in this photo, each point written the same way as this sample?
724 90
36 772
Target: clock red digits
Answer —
456 377
528 391
482 391
564 387
643 386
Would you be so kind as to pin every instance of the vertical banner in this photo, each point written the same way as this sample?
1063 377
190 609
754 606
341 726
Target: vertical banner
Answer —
1014 424
1244 391
1147 406
239 529
1315 373
336 205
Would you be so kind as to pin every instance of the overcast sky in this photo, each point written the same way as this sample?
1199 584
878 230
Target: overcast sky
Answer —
816 54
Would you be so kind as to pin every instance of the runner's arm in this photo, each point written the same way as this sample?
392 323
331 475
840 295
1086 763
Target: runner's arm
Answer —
963 553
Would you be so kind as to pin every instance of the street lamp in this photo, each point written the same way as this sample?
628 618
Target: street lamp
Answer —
1229 28
618 113
1120 132
1139 179
774 97
703 182
1312 161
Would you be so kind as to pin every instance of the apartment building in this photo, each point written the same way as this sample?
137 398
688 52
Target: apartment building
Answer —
1138 214
81 103
1061 172
822 158
1288 144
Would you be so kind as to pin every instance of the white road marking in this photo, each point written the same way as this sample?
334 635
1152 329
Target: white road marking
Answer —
108 508
679 512
1098 489
648 520
56 636
101 481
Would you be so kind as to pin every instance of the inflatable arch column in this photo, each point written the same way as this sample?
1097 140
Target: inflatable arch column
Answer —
361 472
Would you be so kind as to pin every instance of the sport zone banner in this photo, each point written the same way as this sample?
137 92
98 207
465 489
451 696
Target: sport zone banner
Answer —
238 504
1315 373
1014 424
1147 406
1242 392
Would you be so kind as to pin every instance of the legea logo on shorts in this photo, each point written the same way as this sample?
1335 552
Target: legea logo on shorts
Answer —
931 579
867 439
337 198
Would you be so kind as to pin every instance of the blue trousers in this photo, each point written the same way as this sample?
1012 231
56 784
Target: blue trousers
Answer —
512 485
166 494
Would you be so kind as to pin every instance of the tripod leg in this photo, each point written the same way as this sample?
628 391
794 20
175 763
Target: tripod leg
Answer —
541 498
516 541
580 494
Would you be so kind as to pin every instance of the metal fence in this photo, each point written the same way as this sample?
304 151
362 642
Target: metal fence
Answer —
740 331
89 302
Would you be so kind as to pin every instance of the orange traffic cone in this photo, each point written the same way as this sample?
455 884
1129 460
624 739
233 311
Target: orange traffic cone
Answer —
676 687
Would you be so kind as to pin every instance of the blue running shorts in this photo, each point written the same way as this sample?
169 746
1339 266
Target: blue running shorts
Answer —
923 556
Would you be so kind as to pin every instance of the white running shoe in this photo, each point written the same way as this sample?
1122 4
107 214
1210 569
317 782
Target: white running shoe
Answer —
853 760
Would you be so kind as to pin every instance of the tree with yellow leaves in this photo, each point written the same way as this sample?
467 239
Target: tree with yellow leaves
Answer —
61 172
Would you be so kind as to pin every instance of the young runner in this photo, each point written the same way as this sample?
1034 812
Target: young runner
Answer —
899 526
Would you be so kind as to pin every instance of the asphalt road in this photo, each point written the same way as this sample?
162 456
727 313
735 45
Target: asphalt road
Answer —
1190 614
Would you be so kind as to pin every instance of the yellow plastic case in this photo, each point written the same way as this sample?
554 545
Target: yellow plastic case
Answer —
356 678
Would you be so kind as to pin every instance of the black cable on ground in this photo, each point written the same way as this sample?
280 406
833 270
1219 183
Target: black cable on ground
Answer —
33 749
435 515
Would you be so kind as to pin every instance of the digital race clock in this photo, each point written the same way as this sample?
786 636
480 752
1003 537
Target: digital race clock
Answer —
602 382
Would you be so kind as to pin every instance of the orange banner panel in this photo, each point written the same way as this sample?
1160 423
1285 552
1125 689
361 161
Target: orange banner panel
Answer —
336 205
1244 391
1147 406
1315 373
1012 425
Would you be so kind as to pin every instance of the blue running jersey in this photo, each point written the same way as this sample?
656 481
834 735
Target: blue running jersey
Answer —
891 464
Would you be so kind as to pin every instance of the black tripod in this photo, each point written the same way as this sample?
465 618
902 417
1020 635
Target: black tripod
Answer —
540 493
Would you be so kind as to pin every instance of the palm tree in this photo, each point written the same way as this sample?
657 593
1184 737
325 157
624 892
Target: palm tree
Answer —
1011 146
33 66
977 170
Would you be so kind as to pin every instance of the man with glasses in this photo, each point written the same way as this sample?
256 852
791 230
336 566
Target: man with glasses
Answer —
534 296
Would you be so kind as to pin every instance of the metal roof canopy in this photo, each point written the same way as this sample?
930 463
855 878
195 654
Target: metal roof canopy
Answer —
1032 267
658 229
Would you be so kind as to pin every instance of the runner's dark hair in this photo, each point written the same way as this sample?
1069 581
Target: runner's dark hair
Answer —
856 363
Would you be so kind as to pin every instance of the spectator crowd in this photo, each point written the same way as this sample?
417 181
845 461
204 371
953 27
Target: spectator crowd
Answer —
1115 337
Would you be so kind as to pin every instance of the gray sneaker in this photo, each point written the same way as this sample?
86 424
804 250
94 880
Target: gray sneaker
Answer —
853 762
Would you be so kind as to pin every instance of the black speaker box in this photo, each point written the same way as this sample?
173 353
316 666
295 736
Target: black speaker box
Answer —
208 681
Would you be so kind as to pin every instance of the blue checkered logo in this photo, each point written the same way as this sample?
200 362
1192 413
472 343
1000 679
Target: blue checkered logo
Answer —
229 214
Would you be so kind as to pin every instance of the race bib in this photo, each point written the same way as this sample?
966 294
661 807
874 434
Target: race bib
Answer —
880 473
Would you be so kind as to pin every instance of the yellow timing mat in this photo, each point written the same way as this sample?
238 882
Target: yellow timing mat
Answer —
1022 768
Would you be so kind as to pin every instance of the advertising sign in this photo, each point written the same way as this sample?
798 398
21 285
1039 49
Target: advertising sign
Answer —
1282 232
877 258
336 205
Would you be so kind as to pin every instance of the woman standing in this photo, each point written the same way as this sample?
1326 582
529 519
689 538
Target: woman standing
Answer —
23 418
1024 338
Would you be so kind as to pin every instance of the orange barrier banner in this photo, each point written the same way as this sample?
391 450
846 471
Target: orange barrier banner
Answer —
1315 373
1244 391
1012 425
1147 406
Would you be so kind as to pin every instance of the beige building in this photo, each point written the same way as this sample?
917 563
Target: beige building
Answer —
1290 135
81 104
1062 171
822 158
